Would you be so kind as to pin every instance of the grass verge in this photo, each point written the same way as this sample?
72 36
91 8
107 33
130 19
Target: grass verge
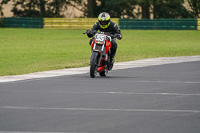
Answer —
32 50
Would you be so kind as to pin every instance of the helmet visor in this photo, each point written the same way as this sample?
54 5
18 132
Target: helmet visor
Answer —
103 22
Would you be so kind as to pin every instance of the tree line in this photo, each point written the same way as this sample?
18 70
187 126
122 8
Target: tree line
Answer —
116 8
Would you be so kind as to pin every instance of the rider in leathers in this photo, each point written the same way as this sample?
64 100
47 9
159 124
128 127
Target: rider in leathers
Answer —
104 24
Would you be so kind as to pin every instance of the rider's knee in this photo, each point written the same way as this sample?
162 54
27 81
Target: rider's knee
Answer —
114 46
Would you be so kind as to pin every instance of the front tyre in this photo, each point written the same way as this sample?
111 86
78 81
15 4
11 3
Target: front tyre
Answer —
94 64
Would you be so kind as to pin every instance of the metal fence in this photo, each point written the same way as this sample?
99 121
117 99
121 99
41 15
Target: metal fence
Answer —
23 22
161 24
87 23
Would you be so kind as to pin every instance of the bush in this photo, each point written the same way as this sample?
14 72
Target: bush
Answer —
1 22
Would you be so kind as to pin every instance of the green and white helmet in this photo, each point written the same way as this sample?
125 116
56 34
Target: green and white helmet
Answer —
104 20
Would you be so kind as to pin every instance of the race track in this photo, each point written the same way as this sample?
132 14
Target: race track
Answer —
152 99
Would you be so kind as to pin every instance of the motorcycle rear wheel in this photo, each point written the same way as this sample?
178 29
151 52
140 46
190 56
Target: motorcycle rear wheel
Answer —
94 64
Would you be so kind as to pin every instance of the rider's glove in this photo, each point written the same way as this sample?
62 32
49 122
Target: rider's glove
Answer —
89 33
119 36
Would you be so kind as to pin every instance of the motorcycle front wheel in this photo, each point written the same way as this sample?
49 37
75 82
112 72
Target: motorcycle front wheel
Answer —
94 64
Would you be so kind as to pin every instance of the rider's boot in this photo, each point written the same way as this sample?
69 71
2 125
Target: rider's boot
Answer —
112 60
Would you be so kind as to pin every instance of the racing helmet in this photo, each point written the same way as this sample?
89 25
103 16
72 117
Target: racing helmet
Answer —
104 20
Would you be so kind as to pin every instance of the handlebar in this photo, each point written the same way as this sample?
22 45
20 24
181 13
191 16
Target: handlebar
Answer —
86 32
106 33
91 32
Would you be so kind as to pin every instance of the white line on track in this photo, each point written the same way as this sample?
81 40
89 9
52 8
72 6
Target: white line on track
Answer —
184 82
42 132
117 66
124 93
99 109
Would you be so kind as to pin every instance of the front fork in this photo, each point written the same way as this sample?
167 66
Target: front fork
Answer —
105 60
101 56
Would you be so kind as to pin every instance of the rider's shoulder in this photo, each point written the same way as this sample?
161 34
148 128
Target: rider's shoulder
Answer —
113 24
96 24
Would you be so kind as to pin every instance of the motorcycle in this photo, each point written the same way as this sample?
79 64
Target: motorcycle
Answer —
100 57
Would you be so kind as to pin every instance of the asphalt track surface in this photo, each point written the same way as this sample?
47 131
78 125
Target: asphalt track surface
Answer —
153 99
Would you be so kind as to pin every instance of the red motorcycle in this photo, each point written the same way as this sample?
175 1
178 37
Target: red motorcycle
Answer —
100 58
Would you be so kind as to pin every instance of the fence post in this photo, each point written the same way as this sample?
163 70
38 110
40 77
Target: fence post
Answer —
1 22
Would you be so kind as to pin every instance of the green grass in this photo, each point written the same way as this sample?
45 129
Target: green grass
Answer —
32 50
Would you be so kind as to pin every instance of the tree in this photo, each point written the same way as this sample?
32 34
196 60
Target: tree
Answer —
116 8
169 9
119 8
1 6
91 9
39 8
195 7
145 5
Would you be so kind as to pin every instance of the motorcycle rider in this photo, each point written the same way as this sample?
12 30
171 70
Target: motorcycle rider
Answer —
104 24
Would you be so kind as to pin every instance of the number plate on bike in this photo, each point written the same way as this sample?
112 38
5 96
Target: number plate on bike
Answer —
100 38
